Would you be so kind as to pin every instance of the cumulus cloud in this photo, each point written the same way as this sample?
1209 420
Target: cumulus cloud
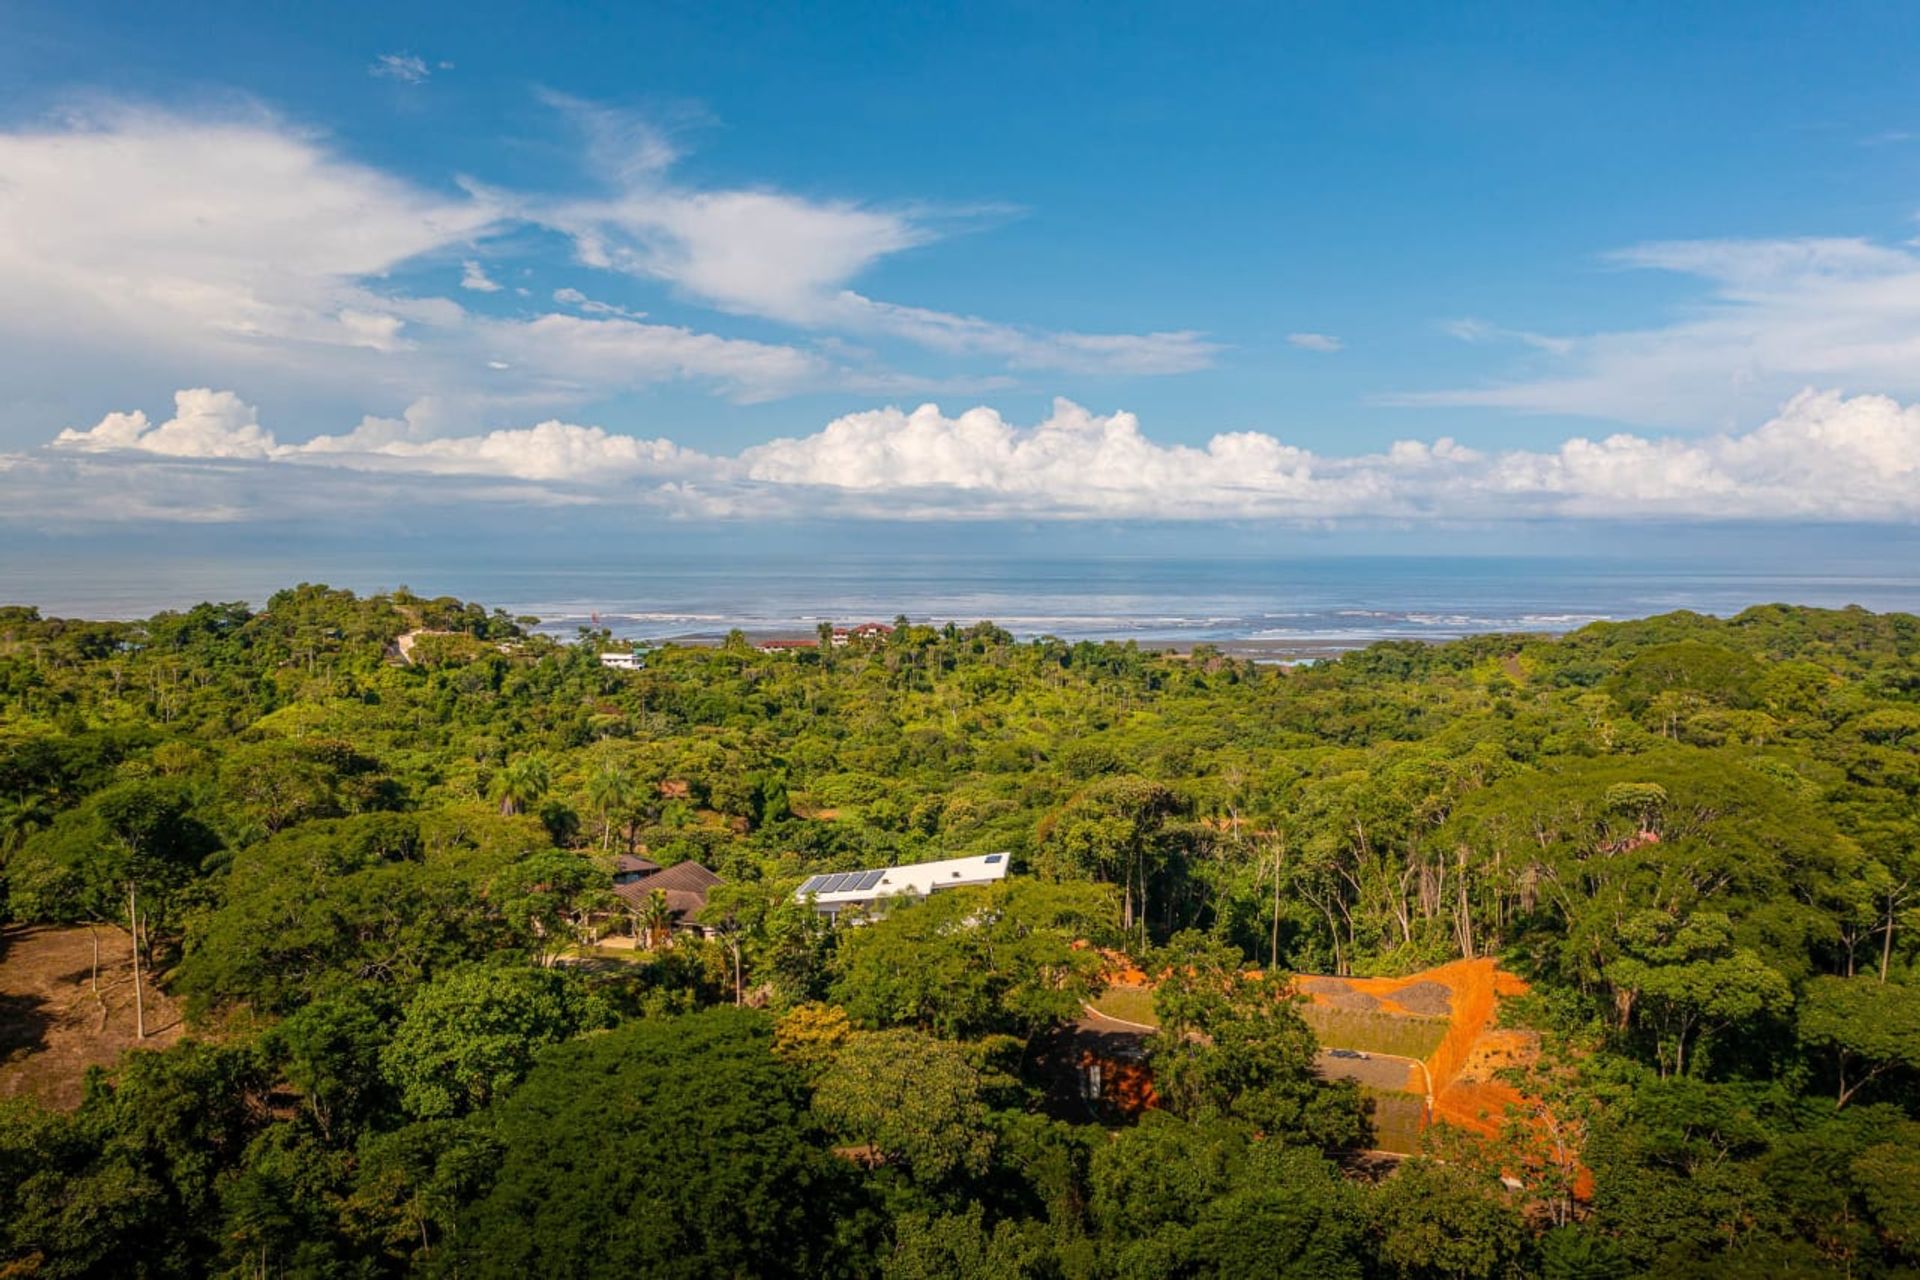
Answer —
205 424
1822 456
219 426
1777 315
1315 341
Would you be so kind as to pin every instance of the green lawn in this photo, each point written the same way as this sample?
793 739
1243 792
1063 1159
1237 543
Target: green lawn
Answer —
1396 1120
1129 1004
1374 1032
1368 1032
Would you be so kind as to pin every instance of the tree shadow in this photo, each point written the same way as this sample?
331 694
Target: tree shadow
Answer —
24 1023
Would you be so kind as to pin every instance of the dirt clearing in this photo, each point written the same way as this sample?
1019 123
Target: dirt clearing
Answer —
1385 1074
52 1028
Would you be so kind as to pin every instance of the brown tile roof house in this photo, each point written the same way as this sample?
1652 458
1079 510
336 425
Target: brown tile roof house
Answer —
628 868
684 883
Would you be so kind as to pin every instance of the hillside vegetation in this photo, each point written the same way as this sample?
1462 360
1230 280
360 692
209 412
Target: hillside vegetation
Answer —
374 884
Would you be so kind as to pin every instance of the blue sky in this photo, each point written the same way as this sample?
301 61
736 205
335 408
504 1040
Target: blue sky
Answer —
1309 263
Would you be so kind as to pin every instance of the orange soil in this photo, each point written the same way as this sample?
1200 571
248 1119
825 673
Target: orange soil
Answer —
1463 1066
1466 1092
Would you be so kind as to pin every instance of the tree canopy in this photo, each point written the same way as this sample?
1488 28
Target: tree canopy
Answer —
424 1035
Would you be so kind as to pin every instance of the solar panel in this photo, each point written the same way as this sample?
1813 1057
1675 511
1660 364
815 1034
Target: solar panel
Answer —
869 879
812 884
994 857
842 881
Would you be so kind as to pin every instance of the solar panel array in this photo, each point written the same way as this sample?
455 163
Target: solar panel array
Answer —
842 882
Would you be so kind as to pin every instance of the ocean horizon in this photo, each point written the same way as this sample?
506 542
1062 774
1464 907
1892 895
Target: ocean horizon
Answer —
1294 604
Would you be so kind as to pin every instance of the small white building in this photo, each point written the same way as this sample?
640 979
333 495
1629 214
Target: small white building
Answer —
622 661
857 890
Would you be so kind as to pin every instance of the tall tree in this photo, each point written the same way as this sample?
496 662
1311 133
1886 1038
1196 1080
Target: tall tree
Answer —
1867 1029
471 1035
125 854
705 1161
523 783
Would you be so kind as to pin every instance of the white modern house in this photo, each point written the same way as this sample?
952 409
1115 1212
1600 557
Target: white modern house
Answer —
622 661
841 891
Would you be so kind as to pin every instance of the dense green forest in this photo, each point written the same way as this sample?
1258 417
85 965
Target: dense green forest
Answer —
374 881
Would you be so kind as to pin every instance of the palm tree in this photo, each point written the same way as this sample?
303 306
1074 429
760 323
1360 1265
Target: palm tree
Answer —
656 920
20 817
522 783
608 790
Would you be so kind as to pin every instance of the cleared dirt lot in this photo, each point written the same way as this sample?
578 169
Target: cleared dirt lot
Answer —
1373 1072
52 1026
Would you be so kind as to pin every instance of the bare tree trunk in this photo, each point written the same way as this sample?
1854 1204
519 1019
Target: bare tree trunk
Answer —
139 1001
99 1001
1886 936
1273 943
1141 857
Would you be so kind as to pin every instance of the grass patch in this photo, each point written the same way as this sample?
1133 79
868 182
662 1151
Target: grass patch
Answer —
1129 1004
1372 1032
1396 1120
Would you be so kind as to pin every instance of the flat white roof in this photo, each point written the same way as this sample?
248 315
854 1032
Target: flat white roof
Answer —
849 888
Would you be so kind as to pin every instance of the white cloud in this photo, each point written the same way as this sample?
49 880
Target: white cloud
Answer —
593 307
1094 353
1780 314
549 451
792 259
1468 329
136 242
577 357
1315 341
474 276
254 253
205 424
406 67
1823 456
752 252
191 237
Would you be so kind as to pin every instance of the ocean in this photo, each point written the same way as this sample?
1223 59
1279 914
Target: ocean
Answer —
1269 605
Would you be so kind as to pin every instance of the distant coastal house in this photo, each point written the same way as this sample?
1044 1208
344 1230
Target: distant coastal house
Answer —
684 885
842 637
857 891
622 661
